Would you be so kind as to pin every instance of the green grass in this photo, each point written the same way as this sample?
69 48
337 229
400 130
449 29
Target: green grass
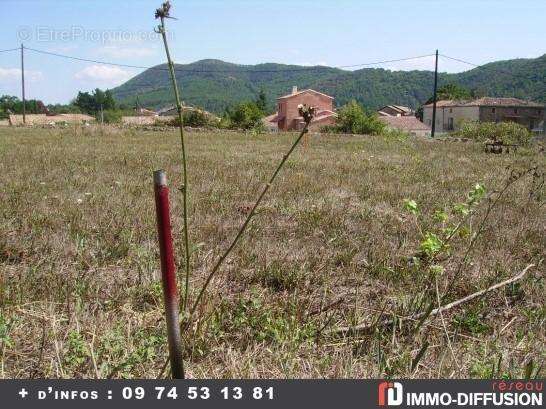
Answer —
329 247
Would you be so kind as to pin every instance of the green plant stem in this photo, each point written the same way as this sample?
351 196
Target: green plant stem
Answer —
481 228
185 172
246 222
511 180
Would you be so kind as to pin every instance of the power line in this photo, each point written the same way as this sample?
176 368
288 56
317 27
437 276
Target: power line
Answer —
250 71
86 59
385 62
459 60
245 70
477 65
235 69
11 49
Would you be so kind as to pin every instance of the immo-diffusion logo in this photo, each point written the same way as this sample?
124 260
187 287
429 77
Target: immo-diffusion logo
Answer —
390 393
495 394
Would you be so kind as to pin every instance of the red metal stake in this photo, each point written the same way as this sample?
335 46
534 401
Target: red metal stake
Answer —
168 273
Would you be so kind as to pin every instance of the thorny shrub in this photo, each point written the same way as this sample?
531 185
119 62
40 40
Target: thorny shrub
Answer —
506 133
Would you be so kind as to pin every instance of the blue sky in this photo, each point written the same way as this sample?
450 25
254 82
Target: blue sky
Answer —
335 33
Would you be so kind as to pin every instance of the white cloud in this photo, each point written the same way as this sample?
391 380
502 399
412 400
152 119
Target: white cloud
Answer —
103 75
14 74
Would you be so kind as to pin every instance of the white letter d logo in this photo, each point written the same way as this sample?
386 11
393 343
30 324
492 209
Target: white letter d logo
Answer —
395 396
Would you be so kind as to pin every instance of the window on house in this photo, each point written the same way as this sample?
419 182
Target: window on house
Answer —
532 124
515 110
450 110
450 124
493 110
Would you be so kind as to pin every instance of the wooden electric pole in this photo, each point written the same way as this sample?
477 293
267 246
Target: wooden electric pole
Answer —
544 120
23 83
434 97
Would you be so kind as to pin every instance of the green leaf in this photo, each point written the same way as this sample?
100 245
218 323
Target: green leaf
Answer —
432 244
462 209
411 206
476 194
440 216
464 231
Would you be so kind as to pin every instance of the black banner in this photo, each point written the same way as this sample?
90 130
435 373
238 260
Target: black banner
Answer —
316 394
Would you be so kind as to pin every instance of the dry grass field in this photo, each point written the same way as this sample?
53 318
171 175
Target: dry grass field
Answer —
335 244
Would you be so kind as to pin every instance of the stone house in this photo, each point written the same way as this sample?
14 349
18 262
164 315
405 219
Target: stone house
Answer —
451 113
287 117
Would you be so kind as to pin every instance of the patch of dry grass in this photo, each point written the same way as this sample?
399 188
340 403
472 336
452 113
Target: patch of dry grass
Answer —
79 266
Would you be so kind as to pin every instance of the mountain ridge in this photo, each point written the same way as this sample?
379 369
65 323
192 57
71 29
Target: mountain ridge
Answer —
215 84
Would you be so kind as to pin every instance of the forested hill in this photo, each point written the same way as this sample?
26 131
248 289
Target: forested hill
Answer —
215 85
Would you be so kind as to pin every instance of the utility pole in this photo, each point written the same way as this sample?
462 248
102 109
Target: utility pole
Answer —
434 101
23 83
544 120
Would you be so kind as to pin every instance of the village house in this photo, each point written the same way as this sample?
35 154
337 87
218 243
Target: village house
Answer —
139 111
450 114
287 117
408 124
169 113
401 118
395 110
143 116
172 111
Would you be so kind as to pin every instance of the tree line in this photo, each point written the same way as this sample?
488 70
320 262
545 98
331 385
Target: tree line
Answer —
353 117
91 103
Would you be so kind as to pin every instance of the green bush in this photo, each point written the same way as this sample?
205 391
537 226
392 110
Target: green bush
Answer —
502 132
396 134
246 115
329 129
258 128
110 116
196 118
353 119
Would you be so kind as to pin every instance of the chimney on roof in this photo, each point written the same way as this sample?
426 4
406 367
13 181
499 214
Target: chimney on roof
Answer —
294 90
